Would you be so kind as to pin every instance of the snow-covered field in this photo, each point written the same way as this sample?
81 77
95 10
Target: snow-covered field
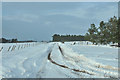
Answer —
59 60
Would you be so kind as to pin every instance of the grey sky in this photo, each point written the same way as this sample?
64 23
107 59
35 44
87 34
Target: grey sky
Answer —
40 20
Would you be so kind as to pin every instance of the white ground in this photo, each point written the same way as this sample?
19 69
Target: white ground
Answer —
30 60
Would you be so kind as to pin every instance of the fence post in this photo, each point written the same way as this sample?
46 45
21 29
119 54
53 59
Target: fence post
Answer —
21 46
9 48
18 47
12 48
1 49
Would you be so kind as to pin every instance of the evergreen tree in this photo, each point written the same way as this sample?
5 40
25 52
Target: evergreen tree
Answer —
106 33
103 33
92 33
113 29
118 27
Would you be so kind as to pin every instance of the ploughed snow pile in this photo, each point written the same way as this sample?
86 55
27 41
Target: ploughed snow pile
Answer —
57 60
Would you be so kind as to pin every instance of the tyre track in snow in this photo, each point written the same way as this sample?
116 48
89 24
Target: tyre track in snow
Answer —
64 66
42 68
77 70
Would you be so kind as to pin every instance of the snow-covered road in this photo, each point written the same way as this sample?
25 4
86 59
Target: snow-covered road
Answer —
58 60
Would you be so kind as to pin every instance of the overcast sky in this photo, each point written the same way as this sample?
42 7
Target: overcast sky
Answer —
40 20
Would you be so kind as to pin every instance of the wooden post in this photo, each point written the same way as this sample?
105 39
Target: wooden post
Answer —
9 48
1 49
12 48
18 47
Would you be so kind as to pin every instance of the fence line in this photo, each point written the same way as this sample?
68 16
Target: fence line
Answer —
18 47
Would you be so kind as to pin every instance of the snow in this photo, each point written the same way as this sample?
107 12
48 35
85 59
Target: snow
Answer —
0 61
48 60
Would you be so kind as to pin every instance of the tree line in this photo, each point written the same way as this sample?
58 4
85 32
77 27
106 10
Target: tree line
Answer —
57 37
105 33
3 40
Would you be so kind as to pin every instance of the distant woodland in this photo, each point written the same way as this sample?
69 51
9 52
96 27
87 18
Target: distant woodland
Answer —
3 40
57 37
